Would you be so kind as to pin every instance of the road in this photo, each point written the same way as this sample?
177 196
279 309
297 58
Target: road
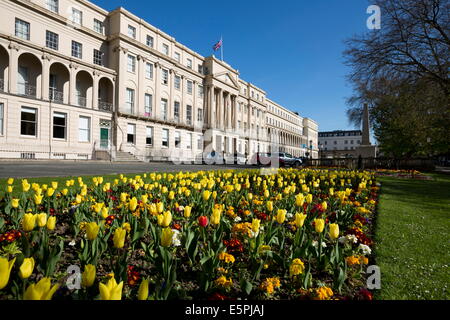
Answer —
37 168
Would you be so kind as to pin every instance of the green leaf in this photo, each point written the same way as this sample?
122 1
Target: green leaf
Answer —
246 286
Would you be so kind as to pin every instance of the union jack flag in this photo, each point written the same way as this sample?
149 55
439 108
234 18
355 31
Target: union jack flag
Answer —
218 45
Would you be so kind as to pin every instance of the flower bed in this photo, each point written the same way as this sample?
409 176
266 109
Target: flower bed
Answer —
293 234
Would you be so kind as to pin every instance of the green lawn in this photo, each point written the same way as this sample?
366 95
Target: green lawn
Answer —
413 238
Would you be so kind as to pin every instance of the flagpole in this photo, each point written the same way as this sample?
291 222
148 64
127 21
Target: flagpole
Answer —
221 48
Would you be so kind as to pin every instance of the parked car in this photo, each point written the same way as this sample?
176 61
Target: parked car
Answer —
287 160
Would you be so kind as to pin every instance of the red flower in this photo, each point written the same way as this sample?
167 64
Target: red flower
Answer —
203 221
218 296
110 220
365 294
177 226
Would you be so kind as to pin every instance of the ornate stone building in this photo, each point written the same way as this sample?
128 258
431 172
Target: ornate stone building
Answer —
79 82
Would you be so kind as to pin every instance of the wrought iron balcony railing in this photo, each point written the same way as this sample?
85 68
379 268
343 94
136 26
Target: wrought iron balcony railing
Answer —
81 101
106 106
26 89
55 95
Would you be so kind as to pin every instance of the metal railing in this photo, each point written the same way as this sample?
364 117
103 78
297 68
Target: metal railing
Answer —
26 89
55 95
81 101
106 106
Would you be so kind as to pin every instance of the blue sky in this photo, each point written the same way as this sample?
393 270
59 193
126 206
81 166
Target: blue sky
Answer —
292 49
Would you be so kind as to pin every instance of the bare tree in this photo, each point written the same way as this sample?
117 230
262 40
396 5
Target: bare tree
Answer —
408 55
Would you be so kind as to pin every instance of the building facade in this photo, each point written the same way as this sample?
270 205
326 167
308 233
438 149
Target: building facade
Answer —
79 82
339 143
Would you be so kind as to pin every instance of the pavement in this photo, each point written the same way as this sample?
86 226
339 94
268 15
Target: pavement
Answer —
39 168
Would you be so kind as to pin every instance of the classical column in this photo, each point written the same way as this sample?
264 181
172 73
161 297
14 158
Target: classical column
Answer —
229 110
183 99
121 76
95 84
140 99
13 68
221 108
45 85
171 102
157 105
194 103
73 84
236 113
211 106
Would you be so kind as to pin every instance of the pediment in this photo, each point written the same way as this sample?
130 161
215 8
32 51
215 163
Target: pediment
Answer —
227 78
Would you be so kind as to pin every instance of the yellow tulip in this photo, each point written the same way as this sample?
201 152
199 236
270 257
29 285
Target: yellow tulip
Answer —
143 290
215 216
187 211
309 198
78 199
300 219
319 224
105 213
43 290
64 192
132 205
250 196
334 231
214 195
51 223
165 219
27 267
126 226
14 202
10 180
5 271
92 229
324 205
166 237
266 193
123 197
9 189
111 291
41 219
98 207
88 276
29 222
255 225
269 205
299 200
144 198
119 238
25 187
171 195
206 195
50 192
160 207
281 216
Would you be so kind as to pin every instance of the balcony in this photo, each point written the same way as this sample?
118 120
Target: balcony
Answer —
25 89
105 106
56 96
81 101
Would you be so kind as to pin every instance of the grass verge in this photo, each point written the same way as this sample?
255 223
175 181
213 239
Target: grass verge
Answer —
413 239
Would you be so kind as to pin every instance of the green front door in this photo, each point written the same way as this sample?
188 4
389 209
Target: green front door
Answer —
104 138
